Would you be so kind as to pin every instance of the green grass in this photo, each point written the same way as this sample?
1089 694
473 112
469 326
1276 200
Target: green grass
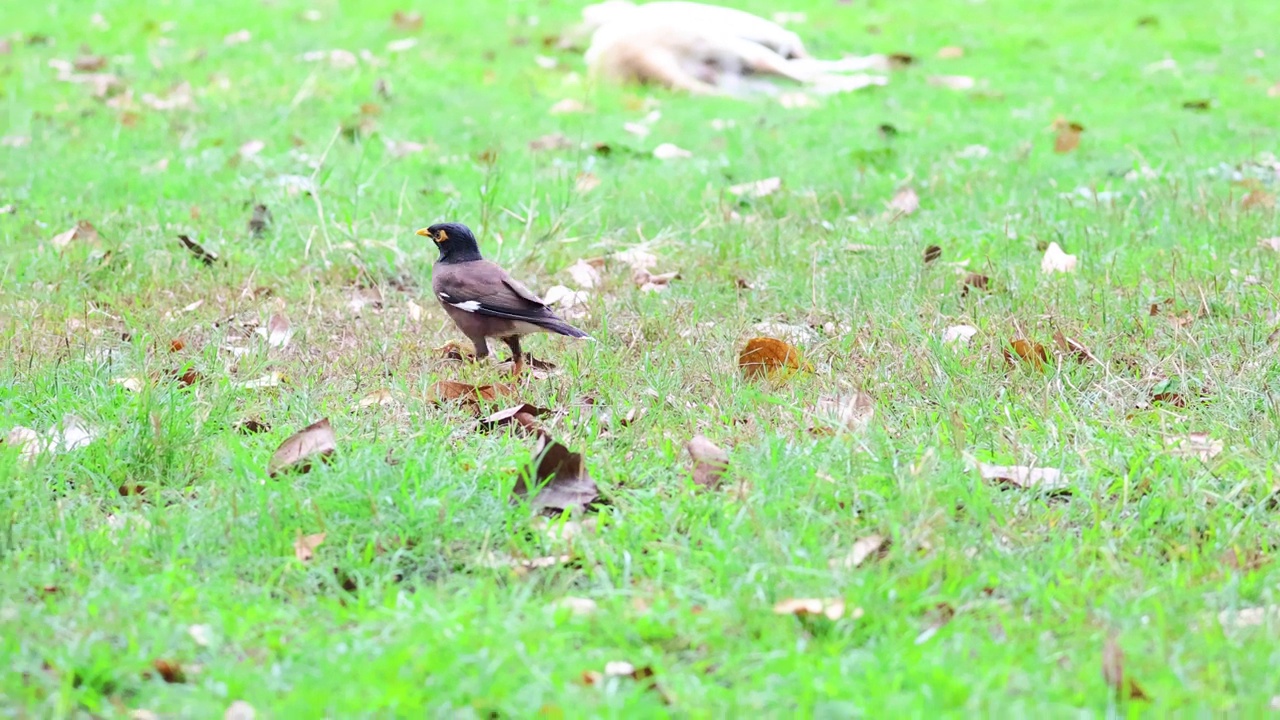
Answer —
398 614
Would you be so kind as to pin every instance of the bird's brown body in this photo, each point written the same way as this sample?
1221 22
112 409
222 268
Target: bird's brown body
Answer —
483 300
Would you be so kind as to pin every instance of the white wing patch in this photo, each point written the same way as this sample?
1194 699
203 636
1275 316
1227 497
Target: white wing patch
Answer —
443 296
469 306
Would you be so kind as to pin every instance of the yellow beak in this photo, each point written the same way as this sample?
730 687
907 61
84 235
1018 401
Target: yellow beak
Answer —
423 232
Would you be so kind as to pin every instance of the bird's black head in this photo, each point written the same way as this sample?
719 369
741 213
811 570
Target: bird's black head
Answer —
455 242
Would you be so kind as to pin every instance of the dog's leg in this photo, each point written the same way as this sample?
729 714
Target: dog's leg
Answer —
663 67
815 66
760 59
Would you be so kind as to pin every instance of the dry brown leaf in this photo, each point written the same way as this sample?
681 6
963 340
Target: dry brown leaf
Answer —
238 37
1196 444
830 608
278 330
636 258
259 220
554 141
758 188
1249 617
586 182
1021 476
653 282
584 274
931 253
768 356
710 463
1075 347
1258 199
671 151
568 105
1068 135
197 250
406 21
169 671
975 281
304 547
953 82
958 334
522 417
579 606
444 391
562 477
251 426
240 710
950 52
250 149
1056 260
1032 353
1270 244
298 451
871 547
270 380
622 669
84 231
381 396
905 202
849 411
1126 688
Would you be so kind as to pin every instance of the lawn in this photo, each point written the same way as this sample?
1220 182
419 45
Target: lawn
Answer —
152 567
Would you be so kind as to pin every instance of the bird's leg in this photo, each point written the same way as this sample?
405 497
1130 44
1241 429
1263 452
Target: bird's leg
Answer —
482 347
517 357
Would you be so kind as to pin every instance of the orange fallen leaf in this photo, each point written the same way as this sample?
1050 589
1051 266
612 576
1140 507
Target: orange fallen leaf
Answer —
443 391
1027 351
1068 135
764 356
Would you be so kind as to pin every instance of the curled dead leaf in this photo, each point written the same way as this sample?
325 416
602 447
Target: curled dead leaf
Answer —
444 391
1055 260
670 151
1197 444
1032 353
905 202
197 250
871 547
298 451
653 282
585 274
1126 688
1068 136
953 82
522 417
1075 347
565 484
958 334
381 396
932 253
829 608
169 671
764 356
757 189
710 463
975 281
850 412
1022 476
278 331
304 547
84 231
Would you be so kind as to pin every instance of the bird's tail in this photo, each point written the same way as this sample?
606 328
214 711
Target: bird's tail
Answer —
564 328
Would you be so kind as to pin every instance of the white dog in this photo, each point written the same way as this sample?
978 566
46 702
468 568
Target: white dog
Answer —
708 50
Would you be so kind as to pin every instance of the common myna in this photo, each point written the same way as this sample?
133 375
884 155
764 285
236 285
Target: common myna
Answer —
482 299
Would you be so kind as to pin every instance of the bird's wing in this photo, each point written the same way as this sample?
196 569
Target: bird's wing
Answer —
486 289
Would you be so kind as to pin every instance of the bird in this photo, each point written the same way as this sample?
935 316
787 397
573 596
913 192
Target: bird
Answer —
483 300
